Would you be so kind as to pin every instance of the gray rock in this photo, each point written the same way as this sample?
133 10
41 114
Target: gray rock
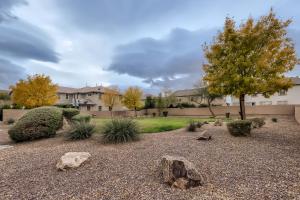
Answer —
204 136
179 172
72 160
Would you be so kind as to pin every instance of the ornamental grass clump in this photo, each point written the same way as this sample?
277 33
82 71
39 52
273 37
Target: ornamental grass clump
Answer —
192 127
120 131
81 130
239 127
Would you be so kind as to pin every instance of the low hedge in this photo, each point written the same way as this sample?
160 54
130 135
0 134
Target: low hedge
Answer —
70 112
239 127
37 123
81 131
257 122
82 118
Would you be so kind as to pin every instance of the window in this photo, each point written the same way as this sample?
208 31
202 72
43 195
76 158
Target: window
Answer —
67 96
89 94
282 92
88 107
99 108
282 102
100 96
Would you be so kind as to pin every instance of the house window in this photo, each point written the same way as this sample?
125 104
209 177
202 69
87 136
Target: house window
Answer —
100 96
89 94
282 92
67 96
282 102
88 107
99 108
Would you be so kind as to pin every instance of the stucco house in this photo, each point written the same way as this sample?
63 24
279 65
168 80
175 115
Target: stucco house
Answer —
283 97
191 96
86 98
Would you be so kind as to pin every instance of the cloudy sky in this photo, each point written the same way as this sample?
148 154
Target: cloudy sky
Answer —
148 43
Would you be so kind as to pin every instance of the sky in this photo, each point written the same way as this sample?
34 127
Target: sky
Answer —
152 44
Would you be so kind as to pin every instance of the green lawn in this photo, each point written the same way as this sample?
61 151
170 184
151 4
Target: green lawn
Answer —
157 124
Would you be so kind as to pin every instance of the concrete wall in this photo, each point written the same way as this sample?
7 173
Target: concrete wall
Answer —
13 114
219 110
233 110
297 113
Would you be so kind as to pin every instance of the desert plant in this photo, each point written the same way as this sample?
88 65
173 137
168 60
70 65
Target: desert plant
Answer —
218 122
274 119
257 122
82 118
165 113
199 124
10 121
120 131
153 114
239 127
70 112
81 130
37 123
192 126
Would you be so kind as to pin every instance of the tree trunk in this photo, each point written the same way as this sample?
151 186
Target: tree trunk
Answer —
135 112
242 107
210 109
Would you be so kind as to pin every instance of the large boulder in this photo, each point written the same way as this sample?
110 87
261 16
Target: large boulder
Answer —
204 136
72 160
179 172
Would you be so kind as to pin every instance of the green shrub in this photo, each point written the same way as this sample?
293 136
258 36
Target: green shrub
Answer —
192 126
37 123
10 121
257 122
120 131
81 130
82 118
199 124
239 127
6 106
274 119
70 112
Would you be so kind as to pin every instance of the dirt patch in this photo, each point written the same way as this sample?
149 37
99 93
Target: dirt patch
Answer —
264 166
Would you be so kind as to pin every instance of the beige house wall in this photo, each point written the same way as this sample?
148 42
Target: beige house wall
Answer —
292 98
13 114
196 100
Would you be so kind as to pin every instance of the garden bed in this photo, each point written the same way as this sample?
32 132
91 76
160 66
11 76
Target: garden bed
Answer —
263 166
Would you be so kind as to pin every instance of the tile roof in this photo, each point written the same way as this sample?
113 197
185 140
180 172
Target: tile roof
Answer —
70 90
296 80
187 92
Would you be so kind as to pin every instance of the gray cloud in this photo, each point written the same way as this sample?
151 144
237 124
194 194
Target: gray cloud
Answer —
6 6
162 62
9 73
23 41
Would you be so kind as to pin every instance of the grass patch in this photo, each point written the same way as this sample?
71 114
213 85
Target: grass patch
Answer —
157 124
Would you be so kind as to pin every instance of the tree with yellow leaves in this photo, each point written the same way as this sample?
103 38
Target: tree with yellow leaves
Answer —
250 59
36 91
132 98
111 98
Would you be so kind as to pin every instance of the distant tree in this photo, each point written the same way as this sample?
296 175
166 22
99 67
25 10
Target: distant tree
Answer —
111 98
250 59
149 102
4 96
36 91
164 100
208 97
132 98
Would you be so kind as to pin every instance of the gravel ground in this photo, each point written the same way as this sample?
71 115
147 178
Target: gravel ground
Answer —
264 166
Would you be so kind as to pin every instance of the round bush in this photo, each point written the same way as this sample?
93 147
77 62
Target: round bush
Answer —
70 112
82 118
120 131
37 123
81 130
239 127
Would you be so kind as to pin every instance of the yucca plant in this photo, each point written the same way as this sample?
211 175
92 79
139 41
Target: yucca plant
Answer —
81 130
120 131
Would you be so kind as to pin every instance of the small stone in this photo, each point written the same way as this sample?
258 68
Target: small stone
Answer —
72 160
204 136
